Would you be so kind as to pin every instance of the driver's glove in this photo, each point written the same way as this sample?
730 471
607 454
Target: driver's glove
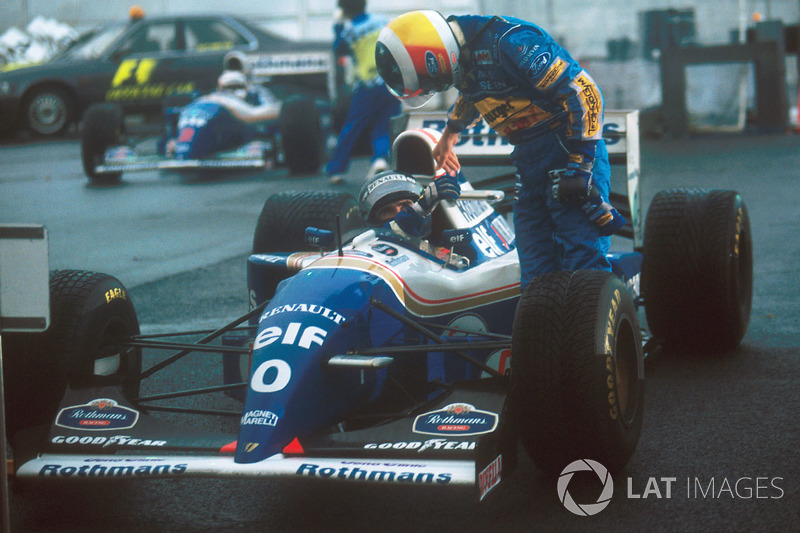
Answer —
445 187
574 184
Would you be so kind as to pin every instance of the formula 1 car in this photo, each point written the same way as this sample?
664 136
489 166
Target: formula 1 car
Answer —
383 360
215 132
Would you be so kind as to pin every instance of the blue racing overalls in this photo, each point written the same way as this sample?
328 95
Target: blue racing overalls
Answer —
371 104
530 90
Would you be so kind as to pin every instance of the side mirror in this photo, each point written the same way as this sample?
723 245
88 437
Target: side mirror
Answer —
320 238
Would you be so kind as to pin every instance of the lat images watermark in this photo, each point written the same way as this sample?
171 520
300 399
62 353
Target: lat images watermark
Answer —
697 488
587 509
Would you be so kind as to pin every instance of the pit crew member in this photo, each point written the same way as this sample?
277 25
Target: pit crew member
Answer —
371 105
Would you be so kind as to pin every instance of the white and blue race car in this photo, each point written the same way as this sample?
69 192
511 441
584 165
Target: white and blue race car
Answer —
367 358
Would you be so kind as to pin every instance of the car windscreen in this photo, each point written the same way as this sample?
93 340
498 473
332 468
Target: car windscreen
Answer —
93 44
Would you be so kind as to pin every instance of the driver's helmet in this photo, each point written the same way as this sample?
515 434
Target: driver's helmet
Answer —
233 81
412 152
384 188
417 55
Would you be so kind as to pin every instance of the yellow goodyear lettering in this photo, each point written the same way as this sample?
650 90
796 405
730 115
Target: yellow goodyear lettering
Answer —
611 326
738 232
591 103
116 294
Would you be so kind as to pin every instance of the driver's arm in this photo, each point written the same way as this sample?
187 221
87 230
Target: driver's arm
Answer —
244 111
412 220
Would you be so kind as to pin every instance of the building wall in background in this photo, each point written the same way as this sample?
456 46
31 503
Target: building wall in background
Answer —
583 26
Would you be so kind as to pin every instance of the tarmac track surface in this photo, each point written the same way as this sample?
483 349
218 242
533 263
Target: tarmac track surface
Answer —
720 449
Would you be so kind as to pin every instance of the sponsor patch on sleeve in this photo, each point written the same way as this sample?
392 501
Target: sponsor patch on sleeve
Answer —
591 103
552 74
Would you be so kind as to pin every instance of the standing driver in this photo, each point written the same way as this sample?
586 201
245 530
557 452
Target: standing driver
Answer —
531 91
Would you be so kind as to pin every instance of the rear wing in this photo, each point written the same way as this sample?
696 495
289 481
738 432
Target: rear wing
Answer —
479 145
264 67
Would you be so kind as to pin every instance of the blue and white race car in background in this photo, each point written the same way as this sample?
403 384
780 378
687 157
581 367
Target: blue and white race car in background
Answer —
367 358
220 131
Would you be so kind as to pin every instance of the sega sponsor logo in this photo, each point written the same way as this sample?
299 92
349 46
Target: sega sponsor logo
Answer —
112 468
493 85
456 419
259 418
430 444
304 308
115 440
374 472
98 415
490 477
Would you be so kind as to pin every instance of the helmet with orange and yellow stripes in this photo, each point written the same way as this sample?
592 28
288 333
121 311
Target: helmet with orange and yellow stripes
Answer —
417 55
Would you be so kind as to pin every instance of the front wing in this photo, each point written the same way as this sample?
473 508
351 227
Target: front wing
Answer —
462 440
250 156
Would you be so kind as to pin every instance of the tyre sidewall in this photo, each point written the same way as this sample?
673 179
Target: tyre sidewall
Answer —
564 382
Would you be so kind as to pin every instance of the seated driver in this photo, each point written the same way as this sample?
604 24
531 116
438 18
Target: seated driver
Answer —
396 202
236 94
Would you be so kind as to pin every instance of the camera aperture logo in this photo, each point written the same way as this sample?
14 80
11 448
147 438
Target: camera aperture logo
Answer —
586 509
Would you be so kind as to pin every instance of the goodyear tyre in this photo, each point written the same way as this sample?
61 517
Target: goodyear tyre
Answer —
577 372
90 313
697 272
302 139
102 127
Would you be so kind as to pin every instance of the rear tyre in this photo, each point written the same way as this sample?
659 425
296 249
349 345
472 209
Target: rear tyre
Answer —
90 313
102 128
302 140
697 272
285 217
577 372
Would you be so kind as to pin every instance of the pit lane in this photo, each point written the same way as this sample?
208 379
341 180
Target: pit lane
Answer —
180 245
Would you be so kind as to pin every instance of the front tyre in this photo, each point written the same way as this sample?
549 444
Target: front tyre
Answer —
49 111
102 128
302 139
577 373
697 271
285 216
90 313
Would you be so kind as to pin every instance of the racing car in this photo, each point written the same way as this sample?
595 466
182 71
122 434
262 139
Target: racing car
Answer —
366 359
218 131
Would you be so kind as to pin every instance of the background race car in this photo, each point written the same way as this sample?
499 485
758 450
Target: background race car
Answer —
243 125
